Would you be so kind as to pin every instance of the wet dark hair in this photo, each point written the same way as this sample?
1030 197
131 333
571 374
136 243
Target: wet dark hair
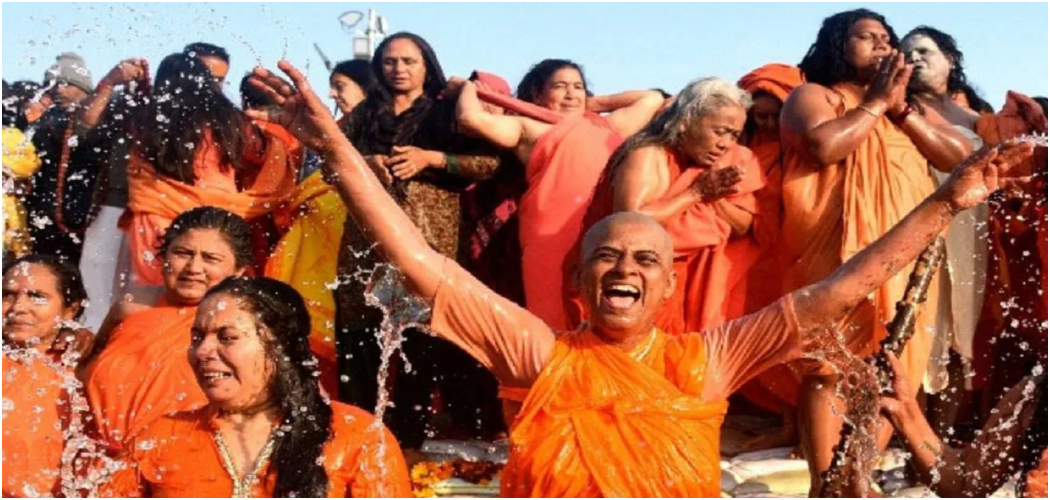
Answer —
357 70
204 49
957 82
70 283
825 62
251 96
307 417
186 101
234 230
534 81
16 96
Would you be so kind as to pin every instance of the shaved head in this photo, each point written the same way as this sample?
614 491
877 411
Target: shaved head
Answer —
635 223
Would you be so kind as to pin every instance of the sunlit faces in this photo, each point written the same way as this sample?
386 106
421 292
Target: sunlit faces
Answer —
195 262
564 92
404 70
218 68
710 137
346 93
626 274
228 354
867 44
765 112
33 305
932 66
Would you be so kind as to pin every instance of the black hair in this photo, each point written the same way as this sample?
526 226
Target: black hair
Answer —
357 70
957 82
1042 103
825 62
534 81
16 96
70 283
204 49
306 417
187 101
251 96
234 230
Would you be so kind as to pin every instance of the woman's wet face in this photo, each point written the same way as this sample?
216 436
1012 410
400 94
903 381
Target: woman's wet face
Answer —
564 92
228 354
196 261
709 138
867 43
404 69
34 309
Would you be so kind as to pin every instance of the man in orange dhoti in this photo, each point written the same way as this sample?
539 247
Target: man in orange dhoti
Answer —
619 408
855 163
564 146
686 171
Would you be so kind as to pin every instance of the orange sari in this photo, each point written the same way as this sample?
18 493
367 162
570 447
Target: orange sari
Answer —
142 374
183 461
36 414
831 212
562 172
155 200
599 423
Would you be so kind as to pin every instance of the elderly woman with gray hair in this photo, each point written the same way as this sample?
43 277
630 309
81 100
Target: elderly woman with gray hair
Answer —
687 170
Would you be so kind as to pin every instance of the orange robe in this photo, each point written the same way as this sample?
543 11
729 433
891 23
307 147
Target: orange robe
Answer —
599 421
35 415
1035 485
831 212
754 292
305 258
154 200
142 374
562 172
183 461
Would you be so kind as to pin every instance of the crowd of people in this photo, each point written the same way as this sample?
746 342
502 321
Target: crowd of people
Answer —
189 279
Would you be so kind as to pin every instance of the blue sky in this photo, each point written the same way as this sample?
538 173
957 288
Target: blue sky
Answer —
621 46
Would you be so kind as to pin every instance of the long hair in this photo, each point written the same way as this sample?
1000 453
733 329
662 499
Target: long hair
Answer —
306 417
957 82
233 229
359 71
534 81
699 98
825 62
187 101
70 283
373 126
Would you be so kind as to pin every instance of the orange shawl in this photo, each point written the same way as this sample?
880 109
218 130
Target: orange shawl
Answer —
143 373
155 200
34 425
304 258
562 172
597 422
831 212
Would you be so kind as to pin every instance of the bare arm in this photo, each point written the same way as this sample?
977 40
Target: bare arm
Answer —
503 131
812 124
127 71
739 219
942 145
642 181
971 182
629 112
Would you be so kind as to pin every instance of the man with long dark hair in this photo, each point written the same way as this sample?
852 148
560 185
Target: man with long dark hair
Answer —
856 161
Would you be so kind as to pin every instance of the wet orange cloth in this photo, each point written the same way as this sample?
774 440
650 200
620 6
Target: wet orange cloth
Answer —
183 461
831 212
154 200
35 415
562 172
305 258
142 374
754 292
598 421
1035 486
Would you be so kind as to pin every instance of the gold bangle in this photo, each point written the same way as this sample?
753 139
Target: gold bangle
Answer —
868 110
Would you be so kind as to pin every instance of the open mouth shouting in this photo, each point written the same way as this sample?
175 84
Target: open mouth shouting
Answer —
620 297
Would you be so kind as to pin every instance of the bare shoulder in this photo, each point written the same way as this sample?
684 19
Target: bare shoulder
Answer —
812 94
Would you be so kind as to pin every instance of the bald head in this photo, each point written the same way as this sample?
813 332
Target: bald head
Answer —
638 226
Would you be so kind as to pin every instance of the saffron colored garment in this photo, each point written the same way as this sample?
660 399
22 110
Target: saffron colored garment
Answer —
142 374
306 258
831 212
181 460
36 413
155 200
598 421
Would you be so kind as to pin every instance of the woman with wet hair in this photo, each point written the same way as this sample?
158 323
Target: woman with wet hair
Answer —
42 298
139 371
266 430
349 83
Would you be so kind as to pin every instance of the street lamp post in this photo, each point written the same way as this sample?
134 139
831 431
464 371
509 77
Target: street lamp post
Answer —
364 41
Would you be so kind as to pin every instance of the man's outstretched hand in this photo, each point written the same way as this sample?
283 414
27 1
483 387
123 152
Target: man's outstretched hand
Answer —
986 171
298 109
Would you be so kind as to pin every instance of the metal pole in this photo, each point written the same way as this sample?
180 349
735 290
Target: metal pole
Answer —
370 31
